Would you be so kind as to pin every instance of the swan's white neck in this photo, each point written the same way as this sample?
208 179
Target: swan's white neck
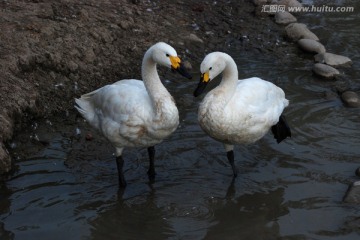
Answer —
229 78
152 82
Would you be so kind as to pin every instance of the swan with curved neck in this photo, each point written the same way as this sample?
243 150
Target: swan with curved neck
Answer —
239 111
135 113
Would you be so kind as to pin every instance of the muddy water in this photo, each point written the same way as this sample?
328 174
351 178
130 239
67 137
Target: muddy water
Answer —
65 187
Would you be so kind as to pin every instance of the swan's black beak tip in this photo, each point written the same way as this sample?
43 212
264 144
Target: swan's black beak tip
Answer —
182 70
200 88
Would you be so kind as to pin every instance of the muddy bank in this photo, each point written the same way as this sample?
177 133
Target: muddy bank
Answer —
53 51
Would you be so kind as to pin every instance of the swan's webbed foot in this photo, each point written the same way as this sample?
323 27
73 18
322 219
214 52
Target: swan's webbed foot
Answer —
120 165
230 156
151 172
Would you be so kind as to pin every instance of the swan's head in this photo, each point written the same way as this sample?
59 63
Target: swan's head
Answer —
166 55
212 65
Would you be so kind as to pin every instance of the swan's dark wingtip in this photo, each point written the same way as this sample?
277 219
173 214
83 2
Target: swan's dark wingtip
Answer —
281 130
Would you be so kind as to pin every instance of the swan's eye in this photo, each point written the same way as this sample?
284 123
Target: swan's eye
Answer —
167 55
210 68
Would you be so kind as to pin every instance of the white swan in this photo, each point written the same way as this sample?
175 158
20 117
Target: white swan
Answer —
135 113
239 112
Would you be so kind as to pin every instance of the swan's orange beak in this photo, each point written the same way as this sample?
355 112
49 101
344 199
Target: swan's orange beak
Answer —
177 66
205 77
175 61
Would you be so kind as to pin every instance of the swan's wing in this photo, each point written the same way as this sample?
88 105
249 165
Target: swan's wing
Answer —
121 108
258 102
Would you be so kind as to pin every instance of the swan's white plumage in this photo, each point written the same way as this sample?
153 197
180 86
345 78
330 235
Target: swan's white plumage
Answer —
238 111
134 113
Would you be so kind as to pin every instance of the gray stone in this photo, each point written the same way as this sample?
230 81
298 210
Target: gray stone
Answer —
325 70
353 193
193 38
311 45
330 95
296 31
260 2
72 66
351 99
332 59
89 55
284 18
124 24
187 65
193 42
287 3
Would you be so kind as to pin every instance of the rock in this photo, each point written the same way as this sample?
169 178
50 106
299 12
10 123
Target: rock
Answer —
89 55
353 193
351 99
330 95
89 137
72 66
124 24
311 45
287 3
27 62
296 31
193 38
284 18
193 42
332 59
342 84
84 14
260 2
324 70
187 65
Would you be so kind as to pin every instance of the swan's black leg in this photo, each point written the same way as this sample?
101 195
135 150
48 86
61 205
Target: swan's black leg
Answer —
120 165
230 156
151 171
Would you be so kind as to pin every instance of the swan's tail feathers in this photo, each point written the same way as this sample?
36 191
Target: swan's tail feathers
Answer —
281 130
85 108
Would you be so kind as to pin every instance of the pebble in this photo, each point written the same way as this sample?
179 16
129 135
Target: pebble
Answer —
284 18
259 2
353 193
187 65
332 59
193 42
296 31
287 3
311 45
89 137
351 98
124 24
193 38
72 66
89 55
324 70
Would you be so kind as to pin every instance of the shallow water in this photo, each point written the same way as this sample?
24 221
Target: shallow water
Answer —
66 187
